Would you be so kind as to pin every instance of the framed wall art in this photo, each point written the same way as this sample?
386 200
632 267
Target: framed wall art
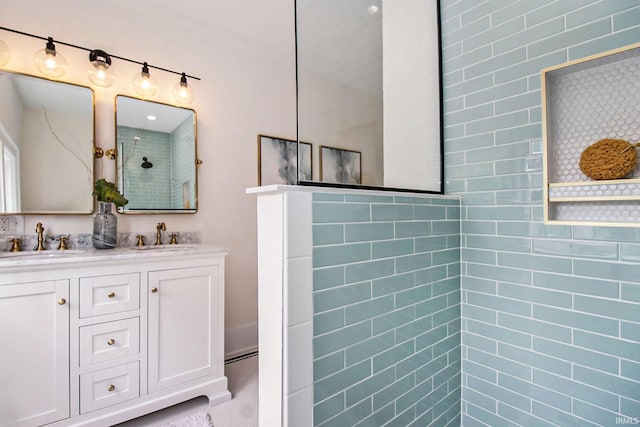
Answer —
280 163
340 166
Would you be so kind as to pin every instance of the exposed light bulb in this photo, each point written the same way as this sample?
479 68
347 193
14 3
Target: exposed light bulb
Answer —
144 83
182 92
49 62
5 54
99 73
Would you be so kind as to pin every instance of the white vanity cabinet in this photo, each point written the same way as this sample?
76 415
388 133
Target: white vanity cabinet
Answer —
34 352
111 335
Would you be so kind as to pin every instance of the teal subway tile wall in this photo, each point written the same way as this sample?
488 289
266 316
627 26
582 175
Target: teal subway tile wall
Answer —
172 156
386 278
183 176
550 313
145 186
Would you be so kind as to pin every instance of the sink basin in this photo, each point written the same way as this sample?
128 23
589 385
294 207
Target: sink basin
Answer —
42 254
167 248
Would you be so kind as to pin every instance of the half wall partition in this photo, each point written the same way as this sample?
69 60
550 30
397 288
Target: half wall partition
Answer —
359 307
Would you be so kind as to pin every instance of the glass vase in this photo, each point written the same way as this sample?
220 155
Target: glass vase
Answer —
105 227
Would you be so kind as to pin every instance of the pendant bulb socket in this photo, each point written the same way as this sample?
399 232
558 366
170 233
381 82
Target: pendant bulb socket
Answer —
99 73
49 62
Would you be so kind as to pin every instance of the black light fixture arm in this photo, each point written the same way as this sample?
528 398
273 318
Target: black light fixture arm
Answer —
48 39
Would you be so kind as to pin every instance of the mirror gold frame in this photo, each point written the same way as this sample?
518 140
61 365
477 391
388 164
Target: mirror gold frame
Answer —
47 134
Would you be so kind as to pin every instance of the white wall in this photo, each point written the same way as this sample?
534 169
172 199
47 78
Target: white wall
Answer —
46 164
244 53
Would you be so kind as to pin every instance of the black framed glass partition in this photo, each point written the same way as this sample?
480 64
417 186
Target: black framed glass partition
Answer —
369 94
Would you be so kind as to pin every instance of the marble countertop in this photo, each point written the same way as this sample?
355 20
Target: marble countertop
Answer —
50 257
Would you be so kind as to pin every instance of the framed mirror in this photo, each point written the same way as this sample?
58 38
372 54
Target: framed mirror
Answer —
156 156
369 83
46 146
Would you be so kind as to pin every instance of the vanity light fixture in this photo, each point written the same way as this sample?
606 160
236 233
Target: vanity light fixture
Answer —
182 92
144 83
49 62
99 73
52 64
5 54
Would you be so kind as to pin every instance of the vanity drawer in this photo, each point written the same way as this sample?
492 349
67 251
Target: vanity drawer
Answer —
107 387
109 294
110 340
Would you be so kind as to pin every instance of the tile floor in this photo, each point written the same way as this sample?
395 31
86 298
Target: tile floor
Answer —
240 411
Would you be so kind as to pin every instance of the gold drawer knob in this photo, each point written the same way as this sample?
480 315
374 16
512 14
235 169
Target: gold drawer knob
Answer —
111 341
154 290
111 294
111 387
62 301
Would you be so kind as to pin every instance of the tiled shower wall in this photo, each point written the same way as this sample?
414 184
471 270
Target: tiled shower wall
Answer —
183 173
172 156
146 187
550 313
386 310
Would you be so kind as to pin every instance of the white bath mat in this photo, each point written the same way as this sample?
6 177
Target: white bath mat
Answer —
199 419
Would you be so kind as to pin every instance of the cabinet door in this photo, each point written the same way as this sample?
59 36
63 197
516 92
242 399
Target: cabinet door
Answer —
34 372
185 318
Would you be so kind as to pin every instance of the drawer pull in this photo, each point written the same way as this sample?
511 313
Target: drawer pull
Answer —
111 387
154 290
111 341
62 301
111 294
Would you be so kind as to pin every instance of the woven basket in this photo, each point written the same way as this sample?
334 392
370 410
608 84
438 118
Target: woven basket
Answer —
609 159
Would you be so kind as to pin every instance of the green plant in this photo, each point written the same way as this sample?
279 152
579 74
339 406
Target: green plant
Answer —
106 191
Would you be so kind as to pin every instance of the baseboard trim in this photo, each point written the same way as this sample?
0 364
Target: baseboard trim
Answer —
241 340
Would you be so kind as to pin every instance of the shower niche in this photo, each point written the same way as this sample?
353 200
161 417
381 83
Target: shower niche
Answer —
584 101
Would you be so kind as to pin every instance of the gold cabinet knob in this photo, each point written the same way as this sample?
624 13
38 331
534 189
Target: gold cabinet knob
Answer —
111 387
154 290
111 294
62 301
111 341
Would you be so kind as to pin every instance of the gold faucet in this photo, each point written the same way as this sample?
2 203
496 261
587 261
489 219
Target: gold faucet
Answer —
40 231
160 227
140 241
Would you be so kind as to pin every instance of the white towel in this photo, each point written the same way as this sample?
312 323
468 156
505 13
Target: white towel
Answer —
199 419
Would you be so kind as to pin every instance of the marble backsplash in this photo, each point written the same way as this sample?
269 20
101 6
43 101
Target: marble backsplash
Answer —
83 241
